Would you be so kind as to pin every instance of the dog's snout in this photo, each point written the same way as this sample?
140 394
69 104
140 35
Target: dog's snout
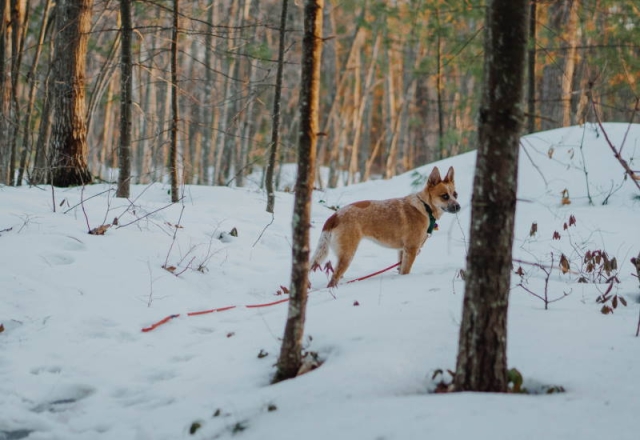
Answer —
454 207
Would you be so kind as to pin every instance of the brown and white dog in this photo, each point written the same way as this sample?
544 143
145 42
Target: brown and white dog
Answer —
403 223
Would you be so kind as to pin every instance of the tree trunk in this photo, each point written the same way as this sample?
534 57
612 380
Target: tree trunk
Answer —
531 64
570 63
482 351
173 148
5 92
290 358
126 76
69 132
275 126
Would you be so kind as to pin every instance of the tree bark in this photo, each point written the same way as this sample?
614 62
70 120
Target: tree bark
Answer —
482 357
290 358
69 131
126 76
531 64
173 148
275 126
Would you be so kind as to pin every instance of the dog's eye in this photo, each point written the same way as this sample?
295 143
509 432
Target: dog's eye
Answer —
445 196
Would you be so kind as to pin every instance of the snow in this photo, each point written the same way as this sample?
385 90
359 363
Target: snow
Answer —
74 363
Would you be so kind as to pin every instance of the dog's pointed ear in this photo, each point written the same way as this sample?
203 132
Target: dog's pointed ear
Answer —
449 176
434 177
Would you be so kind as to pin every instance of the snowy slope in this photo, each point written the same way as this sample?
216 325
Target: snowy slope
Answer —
74 363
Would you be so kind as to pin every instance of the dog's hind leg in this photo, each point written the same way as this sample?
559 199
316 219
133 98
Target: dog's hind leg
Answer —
345 249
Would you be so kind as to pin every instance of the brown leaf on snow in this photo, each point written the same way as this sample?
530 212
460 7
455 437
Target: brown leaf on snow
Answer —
100 230
564 264
534 229
1 328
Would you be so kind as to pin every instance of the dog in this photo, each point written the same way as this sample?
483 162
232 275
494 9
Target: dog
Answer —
402 223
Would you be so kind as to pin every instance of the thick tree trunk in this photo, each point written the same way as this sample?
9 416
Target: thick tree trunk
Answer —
290 358
482 351
126 76
275 118
69 131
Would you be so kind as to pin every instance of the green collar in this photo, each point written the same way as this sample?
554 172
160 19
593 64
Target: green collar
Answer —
432 220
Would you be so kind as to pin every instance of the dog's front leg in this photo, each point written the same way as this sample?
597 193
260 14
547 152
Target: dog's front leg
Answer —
407 259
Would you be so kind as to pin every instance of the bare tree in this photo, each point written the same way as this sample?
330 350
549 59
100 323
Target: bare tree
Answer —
126 71
290 358
275 127
482 358
69 131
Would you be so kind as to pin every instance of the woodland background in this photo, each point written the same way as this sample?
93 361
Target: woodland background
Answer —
400 83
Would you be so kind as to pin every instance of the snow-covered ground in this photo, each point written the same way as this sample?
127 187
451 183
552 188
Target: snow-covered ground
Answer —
75 364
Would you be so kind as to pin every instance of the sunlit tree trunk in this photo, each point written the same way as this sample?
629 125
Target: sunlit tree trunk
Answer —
290 358
570 62
69 130
482 349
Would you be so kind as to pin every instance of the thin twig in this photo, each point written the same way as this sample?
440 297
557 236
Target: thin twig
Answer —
173 240
625 165
534 164
81 201
146 215
633 115
263 230
83 210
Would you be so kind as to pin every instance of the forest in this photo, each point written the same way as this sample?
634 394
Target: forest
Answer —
207 90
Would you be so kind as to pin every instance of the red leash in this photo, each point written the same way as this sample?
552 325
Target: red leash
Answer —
251 306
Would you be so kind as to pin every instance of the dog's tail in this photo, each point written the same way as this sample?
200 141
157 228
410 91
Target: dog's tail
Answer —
322 249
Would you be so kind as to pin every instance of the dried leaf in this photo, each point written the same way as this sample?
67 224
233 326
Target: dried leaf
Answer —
556 235
233 232
614 302
100 230
623 301
520 271
565 227
565 197
230 334
534 229
1 328
356 303
284 289
605 310
171 269
262 354
572 220
564 264
550 152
